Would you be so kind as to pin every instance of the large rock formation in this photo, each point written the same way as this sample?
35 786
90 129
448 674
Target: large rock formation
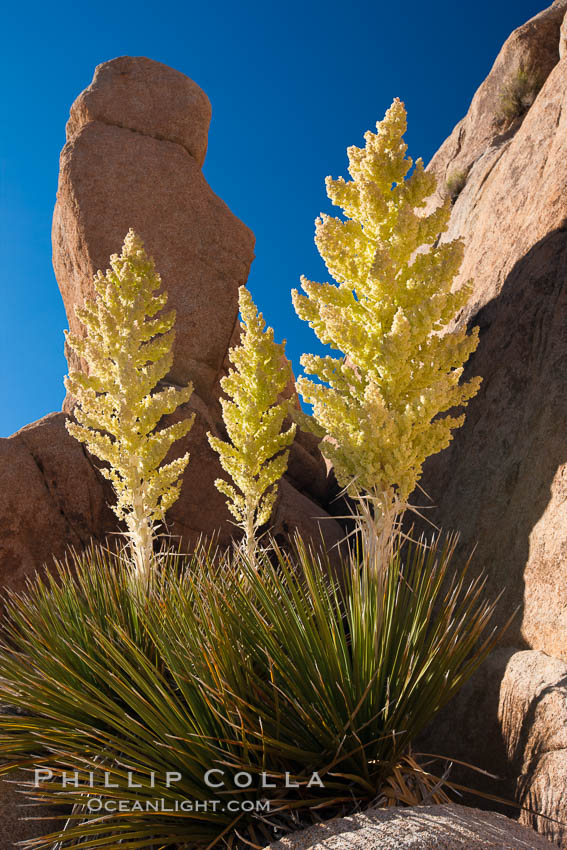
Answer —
51 497
532 711
419 828
136 140
511 720
503 481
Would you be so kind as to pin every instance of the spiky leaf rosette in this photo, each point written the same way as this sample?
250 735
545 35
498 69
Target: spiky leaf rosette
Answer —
128 350
391 314
255 458
268 668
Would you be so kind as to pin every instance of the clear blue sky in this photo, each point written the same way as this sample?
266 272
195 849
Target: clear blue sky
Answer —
292 85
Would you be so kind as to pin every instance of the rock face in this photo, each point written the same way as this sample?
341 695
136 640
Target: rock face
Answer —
136 140
533 718
51 497
419 828
148 98
503 481
23 820
510 719
533 47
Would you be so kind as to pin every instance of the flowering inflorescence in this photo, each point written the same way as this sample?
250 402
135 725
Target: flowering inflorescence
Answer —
256 454
391 316
127 351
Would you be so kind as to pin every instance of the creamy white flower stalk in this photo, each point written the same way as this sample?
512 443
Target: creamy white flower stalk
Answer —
128 350
391 314
256 456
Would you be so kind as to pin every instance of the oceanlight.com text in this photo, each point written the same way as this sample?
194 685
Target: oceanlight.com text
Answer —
98 804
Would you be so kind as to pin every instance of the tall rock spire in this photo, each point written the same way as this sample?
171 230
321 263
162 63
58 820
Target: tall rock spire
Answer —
136 141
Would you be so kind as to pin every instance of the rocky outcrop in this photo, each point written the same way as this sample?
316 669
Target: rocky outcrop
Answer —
510 720
534 48
533 718
149 98
51 497
136 140
503 481
419 828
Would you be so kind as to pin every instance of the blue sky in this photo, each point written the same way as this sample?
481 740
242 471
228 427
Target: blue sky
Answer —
292 85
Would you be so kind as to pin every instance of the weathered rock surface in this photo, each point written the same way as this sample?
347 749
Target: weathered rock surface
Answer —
133 159
419 828
23 819
136 140
534 46
510 719
503 481
51 497
146 97
533 717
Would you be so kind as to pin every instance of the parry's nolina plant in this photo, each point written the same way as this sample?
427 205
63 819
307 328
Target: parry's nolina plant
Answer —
127 349
256 456
384 405
256 661
265 669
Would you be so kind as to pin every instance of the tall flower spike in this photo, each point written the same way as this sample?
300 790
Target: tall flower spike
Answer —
254 458
391 315
128 350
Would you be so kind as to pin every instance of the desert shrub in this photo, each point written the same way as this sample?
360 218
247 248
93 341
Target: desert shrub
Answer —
232 667
518 93
455 183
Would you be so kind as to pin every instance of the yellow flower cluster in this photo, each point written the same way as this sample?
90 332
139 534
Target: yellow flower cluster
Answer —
127 349
391 315
254 458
